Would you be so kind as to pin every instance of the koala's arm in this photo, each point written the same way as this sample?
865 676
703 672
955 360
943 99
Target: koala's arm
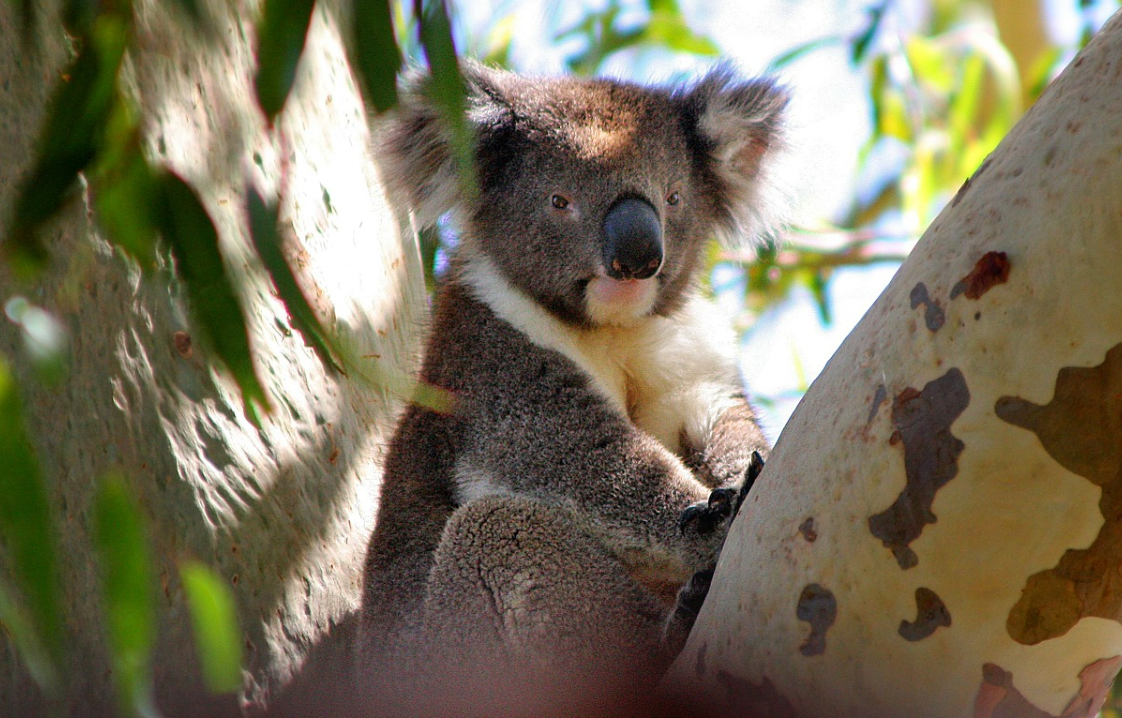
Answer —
725 456
539 428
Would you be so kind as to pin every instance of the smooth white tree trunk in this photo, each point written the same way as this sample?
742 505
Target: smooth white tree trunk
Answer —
282 513
939 530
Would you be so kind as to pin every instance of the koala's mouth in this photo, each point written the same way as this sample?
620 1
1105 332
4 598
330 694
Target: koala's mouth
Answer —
619 301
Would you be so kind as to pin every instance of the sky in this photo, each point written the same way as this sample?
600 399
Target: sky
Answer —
829 120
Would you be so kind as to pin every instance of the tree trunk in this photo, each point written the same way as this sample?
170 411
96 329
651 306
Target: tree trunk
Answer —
283 512
939 529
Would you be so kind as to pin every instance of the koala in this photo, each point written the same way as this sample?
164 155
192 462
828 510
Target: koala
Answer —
549 539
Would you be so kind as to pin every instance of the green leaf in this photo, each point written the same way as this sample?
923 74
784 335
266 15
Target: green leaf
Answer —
19 627
378 57
187 227
800 51
78 16
215 621
864 39
965 104
25 529
447 87
70 140
817 282
668 27
122 549
931 63
280 43
125 189
263 228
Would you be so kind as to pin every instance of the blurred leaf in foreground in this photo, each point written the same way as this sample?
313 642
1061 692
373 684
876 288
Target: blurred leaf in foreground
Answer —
125 193
447 87
377 53
72 133
28 541
126 572
280 43
215 620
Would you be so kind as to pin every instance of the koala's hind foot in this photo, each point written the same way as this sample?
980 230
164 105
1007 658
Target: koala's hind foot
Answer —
680 622
528 613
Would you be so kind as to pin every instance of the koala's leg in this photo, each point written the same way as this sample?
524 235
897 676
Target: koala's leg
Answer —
526 605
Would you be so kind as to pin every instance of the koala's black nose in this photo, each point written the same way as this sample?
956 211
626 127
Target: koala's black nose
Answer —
632 240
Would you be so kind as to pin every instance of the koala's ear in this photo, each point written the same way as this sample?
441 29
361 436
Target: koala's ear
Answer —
414 142
739 126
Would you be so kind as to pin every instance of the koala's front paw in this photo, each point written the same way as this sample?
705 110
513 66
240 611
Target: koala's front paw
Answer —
722 504
705 516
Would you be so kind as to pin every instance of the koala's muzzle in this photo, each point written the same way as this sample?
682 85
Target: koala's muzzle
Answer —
632 240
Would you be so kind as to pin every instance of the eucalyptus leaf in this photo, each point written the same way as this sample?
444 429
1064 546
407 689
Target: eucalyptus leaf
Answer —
72 133
447 86
215 621
280 43
378 56
864 39
125 189
20 629
189 230
27 536
267 240
122 548
799 51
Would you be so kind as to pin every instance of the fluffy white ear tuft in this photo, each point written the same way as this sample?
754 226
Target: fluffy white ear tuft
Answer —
739 124
414 143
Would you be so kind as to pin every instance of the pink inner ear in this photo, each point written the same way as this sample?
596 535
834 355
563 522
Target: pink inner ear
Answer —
748 155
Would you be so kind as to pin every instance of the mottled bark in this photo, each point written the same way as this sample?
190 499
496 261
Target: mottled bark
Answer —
283 513
958 462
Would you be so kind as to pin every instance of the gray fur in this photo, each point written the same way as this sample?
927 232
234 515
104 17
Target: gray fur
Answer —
531 536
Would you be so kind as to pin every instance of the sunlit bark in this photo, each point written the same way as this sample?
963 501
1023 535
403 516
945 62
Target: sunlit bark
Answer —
282 512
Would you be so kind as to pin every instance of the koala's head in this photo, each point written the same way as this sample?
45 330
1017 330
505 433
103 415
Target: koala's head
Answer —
596 197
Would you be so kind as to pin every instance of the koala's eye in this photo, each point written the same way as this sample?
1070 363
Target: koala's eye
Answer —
559 202
673 198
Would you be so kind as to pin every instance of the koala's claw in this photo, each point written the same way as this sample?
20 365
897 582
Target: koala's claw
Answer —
723 503
755 466
705 516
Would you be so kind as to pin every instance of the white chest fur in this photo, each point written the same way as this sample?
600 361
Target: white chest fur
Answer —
669 375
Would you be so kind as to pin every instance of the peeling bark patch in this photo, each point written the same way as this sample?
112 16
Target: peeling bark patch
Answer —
1081 428
931 613
879 398
755 700
989 271
923 423
182 343
806 528
1095 681
818 607
933 315
998 698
